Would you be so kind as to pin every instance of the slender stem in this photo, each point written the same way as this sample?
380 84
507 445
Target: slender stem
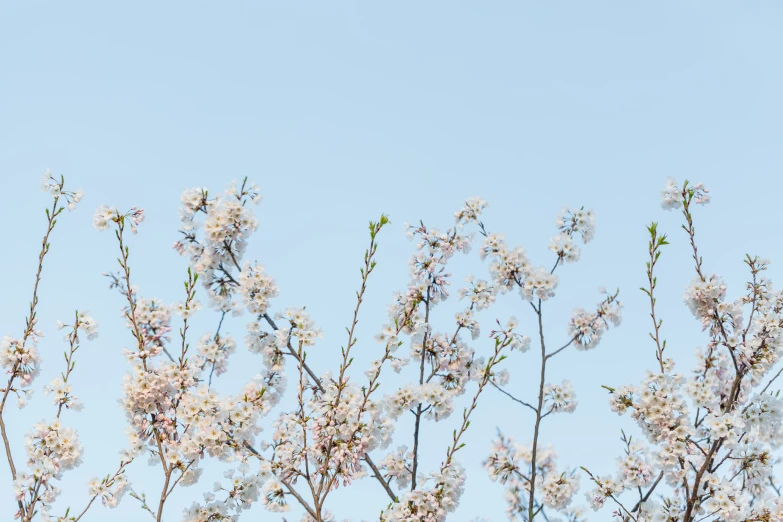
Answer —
531 503
69 360
28 331
649 492
143 501
512 397
770 382
421 381
654 249
566 345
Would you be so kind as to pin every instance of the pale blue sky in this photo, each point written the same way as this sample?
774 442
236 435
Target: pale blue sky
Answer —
343 110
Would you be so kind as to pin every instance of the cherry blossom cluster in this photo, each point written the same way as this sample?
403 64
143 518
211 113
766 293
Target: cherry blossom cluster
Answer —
560 397
326 441
445 363
702 446
534 486
174 416
570 223
510 463
215 351
438 493
216 245
587 328
104 216
228 499
712 433
21 360
52 448
56 187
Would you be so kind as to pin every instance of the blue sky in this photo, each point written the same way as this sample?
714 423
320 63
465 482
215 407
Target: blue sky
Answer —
343 110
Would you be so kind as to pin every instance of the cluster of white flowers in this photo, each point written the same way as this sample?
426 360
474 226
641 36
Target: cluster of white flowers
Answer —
174 417
216 246
153 324
106 215
635 468
510 463
435 399
560 397
577 221
673 195
51 450
257 288
558 491
587 328
763 417
661 411
711 437
508 266
430 505
517 341
529 472
62 393
188 309
481 293
540 283
20 360
727 426
571 223
446 363
450 358
466 320
471 211
397 464
167 407
215 351
605 488
273 497
51 447
350 425
725 500
301 327
85 324
56 188
109 489
703 296
260 342
243 489
103 217
565 248
59 387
